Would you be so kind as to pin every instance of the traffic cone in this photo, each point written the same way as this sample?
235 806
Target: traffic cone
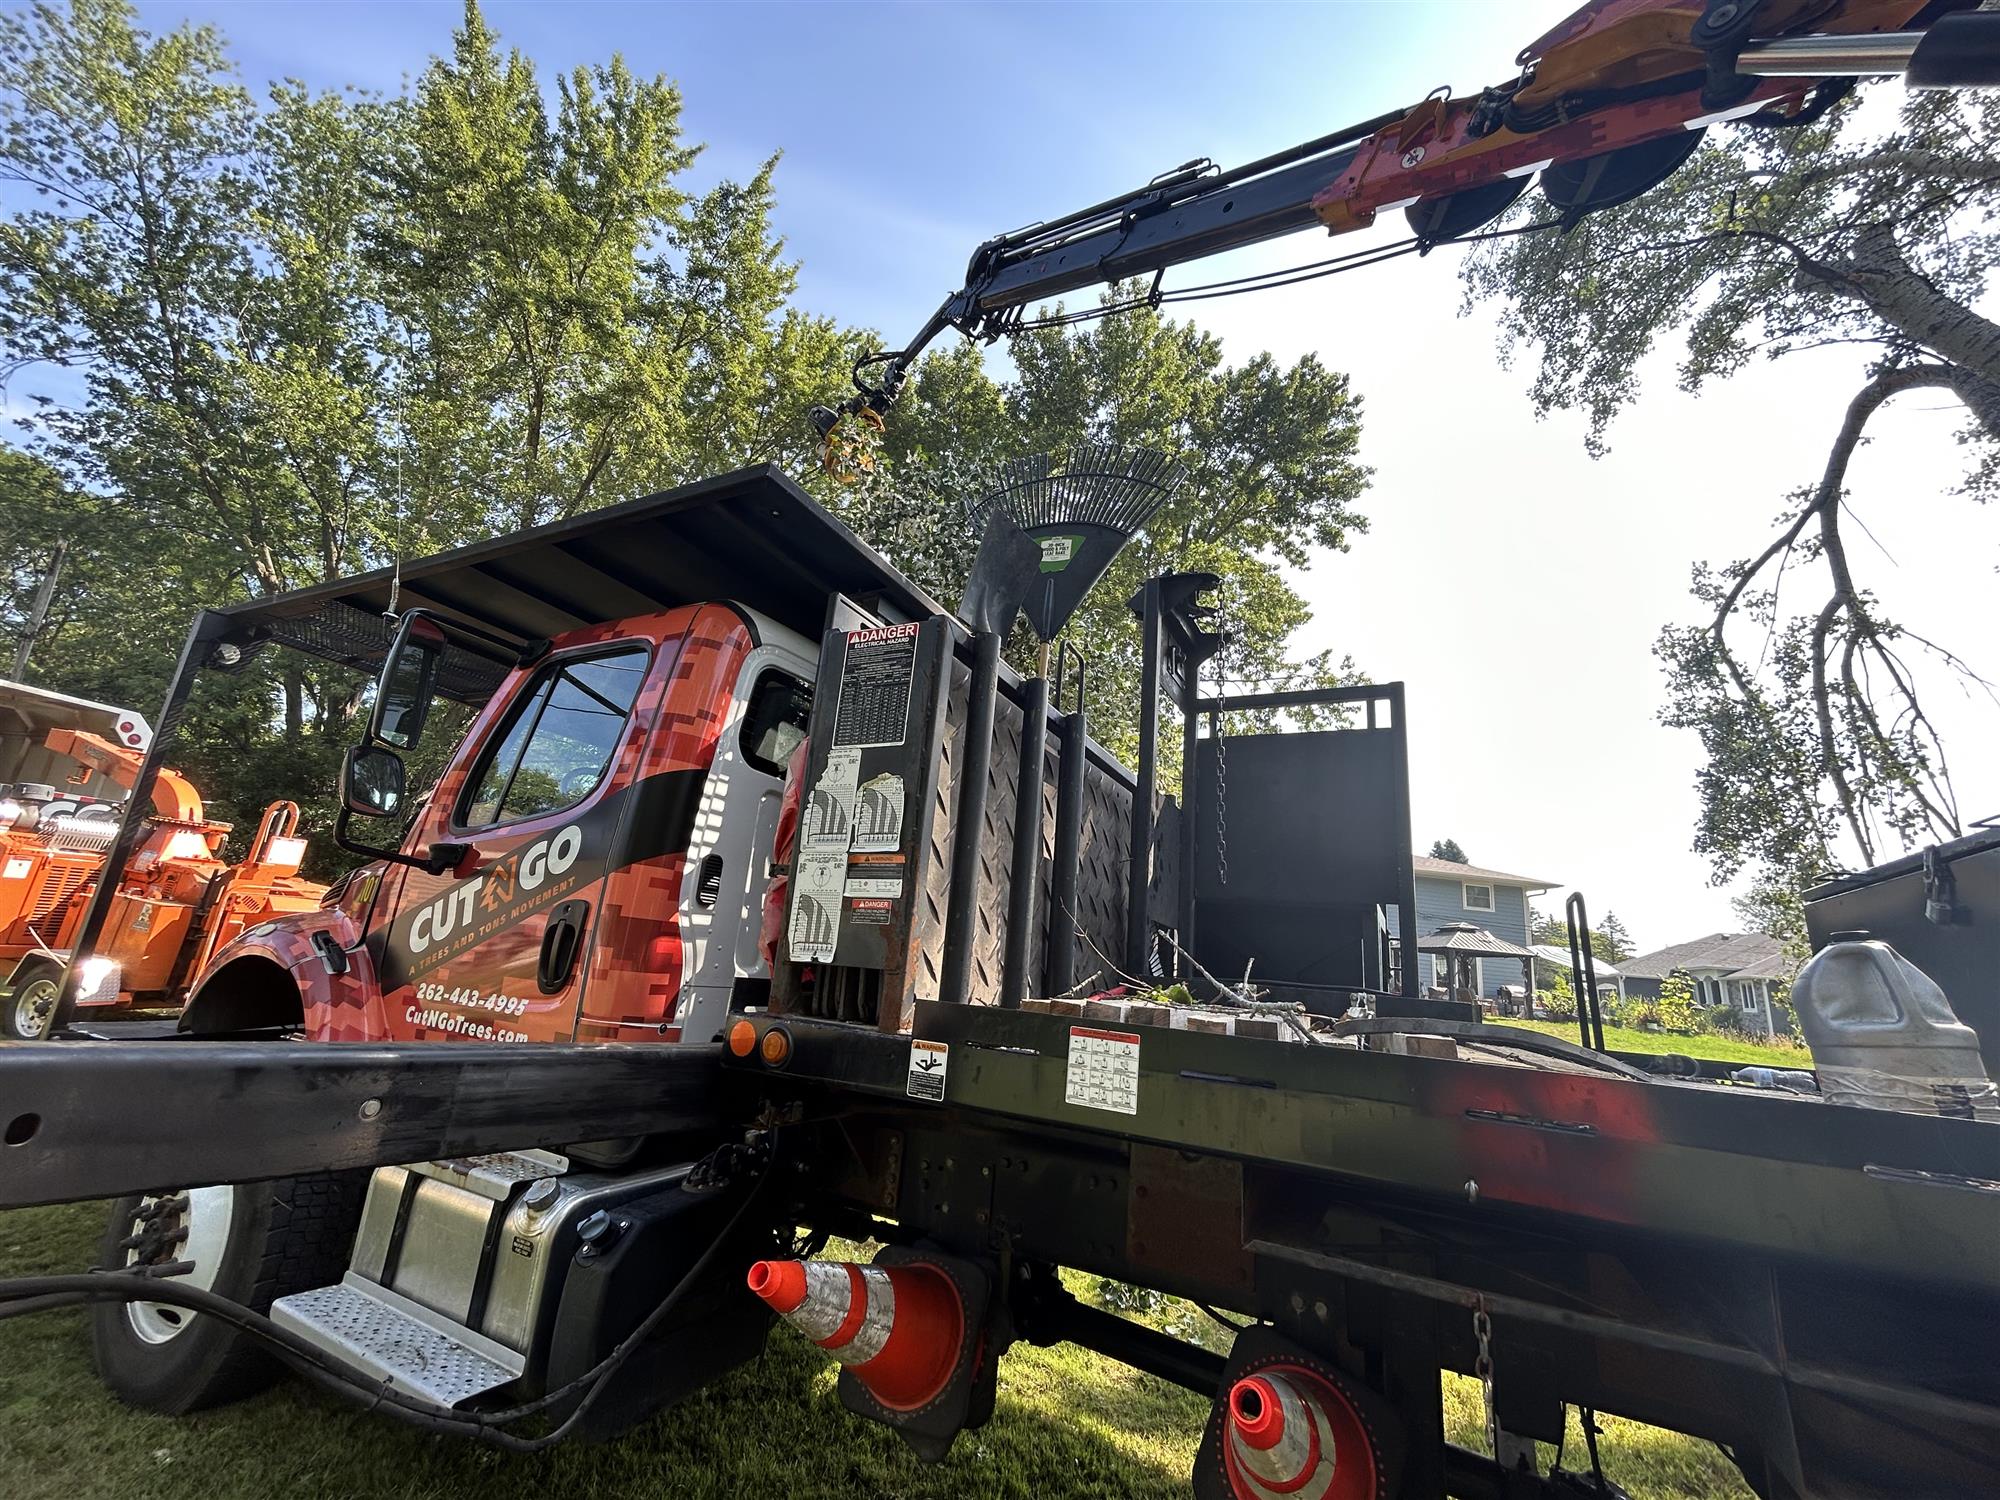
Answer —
897 1328
1292 1435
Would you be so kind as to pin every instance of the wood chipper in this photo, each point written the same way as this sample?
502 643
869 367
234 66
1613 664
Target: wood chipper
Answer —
177 899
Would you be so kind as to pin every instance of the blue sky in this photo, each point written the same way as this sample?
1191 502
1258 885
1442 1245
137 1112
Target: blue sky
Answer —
912 132
1515 584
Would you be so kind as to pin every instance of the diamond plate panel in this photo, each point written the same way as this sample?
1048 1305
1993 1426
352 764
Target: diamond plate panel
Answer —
1103 855
393 1339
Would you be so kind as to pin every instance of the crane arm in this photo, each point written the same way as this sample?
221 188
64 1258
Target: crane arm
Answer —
1606 105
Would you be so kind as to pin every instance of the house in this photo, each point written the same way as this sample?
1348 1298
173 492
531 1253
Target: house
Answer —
1492 899
1727 968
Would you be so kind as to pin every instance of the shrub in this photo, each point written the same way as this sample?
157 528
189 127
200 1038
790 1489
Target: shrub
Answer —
1675 1010
1679 1013
1557 1005
1640 1013
1726 1018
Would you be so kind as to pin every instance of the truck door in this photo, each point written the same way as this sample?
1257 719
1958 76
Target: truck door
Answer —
495 949
687 898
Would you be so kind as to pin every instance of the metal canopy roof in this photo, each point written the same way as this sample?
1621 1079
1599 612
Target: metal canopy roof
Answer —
1463 940
752 536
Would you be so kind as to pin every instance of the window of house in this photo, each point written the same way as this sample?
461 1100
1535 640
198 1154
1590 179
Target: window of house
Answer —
1479 898
775 720
558 741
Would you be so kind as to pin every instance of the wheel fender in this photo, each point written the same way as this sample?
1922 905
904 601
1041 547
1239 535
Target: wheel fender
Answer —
273 974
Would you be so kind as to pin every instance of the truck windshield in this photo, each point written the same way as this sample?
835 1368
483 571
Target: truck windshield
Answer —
558 741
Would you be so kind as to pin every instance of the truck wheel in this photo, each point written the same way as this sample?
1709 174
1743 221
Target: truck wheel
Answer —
251 1244
29 1013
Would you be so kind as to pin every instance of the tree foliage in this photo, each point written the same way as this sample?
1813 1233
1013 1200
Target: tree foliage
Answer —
1271 473
269 337
1863 231
1448 849
1610 943
289 337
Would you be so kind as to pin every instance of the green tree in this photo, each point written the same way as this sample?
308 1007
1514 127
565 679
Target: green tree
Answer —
1271 473
1858 231
313 331
1611 942
1448 849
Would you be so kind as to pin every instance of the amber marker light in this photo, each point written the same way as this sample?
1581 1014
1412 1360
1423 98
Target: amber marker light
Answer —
742 1039
777 1048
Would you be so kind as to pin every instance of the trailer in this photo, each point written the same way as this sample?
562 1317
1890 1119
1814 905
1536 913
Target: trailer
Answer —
501 1232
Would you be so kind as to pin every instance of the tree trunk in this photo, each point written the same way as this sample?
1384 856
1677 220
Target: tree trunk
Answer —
1876 273
295 715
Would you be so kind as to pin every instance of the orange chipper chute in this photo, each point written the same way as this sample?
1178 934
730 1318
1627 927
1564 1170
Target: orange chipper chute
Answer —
898 1329
1289 1433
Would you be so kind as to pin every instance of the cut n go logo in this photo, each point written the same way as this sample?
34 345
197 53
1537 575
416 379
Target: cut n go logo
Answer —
524 869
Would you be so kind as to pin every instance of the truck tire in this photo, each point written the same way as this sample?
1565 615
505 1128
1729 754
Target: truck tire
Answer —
251 1244
29 1012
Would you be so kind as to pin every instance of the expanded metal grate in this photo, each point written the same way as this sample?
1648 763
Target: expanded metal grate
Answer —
360 639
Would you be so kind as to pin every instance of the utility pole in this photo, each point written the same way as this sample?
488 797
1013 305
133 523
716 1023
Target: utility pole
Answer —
38 612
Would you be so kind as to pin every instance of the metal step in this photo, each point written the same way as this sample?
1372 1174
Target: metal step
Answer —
496 1175
393 1338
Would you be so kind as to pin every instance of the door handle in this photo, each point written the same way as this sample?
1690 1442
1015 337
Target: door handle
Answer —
562 941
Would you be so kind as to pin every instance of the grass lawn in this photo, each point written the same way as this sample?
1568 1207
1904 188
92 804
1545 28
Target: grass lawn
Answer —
1068 1424
1716 1048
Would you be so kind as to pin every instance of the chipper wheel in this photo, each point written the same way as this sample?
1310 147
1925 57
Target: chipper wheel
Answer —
251 1244
28 1013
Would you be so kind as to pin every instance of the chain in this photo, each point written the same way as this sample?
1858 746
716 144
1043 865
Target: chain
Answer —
1221 803
1482 1330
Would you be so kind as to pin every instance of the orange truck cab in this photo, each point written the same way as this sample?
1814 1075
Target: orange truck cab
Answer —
591 865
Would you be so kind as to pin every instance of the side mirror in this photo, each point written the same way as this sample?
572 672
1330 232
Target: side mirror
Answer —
409 677
371 781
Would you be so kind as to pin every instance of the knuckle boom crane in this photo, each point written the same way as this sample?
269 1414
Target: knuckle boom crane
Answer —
1606 104
494 1232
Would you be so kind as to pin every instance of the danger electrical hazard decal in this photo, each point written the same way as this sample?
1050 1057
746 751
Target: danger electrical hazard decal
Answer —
929 1062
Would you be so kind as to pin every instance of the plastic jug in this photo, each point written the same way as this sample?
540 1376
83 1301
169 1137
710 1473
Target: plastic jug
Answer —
1884 1035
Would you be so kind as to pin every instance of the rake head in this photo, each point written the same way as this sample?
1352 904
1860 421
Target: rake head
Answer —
1080 508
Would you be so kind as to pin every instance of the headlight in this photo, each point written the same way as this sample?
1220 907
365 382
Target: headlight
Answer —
186 843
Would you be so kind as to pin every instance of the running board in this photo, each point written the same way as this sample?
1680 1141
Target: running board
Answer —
392 1338
102 1119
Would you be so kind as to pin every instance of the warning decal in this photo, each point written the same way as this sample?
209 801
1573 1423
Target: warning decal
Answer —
928 1062
1103 1070
874 704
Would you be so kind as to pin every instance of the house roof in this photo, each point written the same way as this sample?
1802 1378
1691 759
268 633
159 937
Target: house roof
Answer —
1452 870
1549 953
1468 941
1740 955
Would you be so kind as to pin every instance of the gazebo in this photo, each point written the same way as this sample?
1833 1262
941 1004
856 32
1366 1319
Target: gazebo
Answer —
1457 944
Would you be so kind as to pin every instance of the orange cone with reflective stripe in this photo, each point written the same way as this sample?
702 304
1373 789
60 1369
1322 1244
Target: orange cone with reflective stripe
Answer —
1293 1435
898 1328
